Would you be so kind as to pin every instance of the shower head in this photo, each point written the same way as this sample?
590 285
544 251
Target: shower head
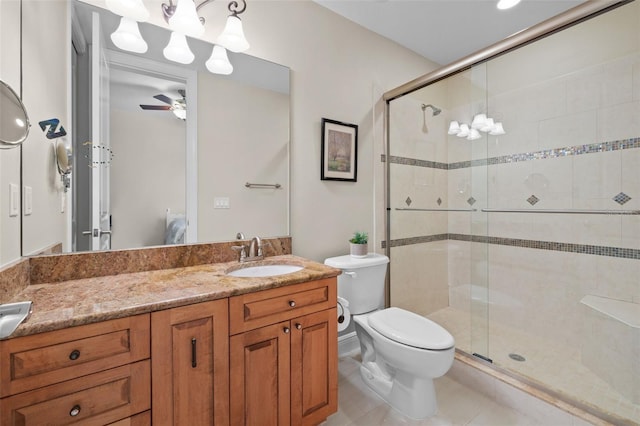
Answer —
435 109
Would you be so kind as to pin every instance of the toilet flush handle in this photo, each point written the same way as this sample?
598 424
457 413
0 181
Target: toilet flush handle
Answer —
352 274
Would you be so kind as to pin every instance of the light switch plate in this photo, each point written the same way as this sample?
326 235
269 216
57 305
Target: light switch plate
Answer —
221 203
28 200
14 200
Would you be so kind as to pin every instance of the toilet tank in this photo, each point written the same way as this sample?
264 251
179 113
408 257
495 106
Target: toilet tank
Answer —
362 281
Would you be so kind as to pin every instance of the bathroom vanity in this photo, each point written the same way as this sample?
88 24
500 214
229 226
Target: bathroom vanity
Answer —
188 345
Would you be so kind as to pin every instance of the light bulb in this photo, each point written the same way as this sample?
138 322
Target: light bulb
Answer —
178 50
219 63
127 36
232 37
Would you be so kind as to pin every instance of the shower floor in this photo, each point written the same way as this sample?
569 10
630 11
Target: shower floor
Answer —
553 366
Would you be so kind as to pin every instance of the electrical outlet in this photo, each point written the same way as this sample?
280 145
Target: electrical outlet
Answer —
221 203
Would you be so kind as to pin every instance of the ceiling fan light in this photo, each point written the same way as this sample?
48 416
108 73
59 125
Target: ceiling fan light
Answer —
180 113
132 9
232 37
219 63
185 19
507 4
127 36
178 50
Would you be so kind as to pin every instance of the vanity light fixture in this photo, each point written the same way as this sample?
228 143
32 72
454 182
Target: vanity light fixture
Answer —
480 123
182 17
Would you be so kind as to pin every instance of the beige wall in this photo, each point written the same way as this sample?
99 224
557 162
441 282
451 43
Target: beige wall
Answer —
148 163
9 159
243 136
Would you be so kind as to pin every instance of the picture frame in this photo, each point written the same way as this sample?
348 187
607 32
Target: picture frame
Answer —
339 156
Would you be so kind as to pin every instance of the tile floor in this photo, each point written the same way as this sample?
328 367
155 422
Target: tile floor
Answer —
457 404
558 368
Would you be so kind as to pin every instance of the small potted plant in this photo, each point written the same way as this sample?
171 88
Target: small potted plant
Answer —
359 244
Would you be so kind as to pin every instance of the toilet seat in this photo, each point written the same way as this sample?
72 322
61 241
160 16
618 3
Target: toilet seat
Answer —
410 329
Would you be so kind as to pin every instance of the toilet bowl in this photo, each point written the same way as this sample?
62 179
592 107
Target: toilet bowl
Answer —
402 352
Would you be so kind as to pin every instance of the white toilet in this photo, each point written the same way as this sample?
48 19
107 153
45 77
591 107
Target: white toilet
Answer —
402 352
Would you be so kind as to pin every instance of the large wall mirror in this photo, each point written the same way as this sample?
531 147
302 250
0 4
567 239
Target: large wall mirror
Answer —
215 164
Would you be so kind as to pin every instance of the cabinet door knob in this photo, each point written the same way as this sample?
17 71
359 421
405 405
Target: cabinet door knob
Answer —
292 303
75 354
74 411
299 326
286 330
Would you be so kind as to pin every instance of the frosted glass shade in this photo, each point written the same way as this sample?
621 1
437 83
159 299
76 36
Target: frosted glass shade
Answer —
488 125
178 50
127 36
497 129
185 19
479 121
454 128
132 9
464 131
219 63
232 37
473 135
507 4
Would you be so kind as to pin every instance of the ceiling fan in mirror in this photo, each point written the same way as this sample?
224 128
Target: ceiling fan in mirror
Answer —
177 106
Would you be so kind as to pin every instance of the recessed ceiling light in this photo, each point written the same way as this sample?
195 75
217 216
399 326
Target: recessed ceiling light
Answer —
507 4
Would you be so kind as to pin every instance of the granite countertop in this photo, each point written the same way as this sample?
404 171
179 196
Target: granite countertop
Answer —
88 300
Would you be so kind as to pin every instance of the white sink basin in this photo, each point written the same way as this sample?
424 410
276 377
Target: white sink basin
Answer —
265 270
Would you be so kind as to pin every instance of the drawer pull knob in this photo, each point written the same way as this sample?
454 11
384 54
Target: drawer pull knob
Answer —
299 326
292 303
286 330
74 411
75 354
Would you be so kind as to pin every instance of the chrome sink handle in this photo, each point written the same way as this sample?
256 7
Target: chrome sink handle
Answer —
242 249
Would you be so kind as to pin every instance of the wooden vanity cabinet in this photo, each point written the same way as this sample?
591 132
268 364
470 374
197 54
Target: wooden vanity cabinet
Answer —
190 365
283 352
91 374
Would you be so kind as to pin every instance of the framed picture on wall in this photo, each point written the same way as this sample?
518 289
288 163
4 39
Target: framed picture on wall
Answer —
339 159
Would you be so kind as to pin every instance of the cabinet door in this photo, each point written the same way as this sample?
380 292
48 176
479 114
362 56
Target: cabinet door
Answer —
190 365
314 367
260 376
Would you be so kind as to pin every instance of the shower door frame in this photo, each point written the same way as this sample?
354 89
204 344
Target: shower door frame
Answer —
557 23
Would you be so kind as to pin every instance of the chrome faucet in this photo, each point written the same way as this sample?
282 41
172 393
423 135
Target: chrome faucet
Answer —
255 249
251 252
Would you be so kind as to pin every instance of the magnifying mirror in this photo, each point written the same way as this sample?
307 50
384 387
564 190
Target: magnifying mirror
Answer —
14 122
64 159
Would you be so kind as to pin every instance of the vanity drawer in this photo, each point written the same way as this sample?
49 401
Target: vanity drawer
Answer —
96 399
253 310
42 359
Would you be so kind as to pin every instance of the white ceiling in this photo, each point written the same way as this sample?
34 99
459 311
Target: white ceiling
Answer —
446 30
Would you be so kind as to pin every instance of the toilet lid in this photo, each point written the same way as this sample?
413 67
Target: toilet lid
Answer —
410 329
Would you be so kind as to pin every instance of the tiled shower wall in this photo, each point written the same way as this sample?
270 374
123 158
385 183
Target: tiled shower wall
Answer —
570 105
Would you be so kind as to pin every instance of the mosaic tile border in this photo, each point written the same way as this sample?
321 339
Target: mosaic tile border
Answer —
527 156
620 252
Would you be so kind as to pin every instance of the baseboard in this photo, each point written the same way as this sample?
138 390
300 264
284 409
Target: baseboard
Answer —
348 343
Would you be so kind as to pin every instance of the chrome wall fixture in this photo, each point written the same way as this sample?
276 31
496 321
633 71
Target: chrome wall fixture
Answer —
183 20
